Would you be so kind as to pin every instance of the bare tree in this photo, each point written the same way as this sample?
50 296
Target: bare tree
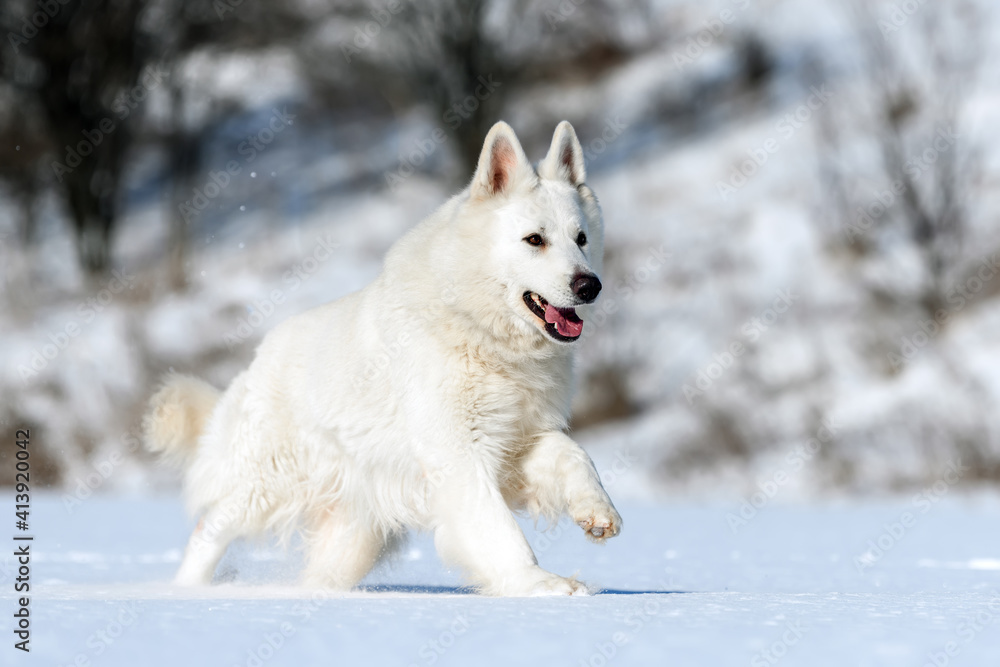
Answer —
75 61
85 68
918 70
464 58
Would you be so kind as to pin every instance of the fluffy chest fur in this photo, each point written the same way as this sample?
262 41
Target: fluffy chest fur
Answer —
504 404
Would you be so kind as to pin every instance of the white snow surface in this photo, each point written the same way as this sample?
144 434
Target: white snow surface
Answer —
678 587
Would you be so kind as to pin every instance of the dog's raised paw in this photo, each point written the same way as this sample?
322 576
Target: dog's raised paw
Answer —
600 523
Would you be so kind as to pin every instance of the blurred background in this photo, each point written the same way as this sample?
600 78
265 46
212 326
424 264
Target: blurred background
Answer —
803 256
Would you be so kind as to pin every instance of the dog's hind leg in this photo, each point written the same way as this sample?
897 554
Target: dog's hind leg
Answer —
340 552
205 548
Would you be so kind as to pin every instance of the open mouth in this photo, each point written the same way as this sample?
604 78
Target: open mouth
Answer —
563 324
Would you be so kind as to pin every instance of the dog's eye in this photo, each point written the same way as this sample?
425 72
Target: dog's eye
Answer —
535 240
581 239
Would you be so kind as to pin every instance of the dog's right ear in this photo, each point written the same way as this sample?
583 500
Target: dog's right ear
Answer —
502 164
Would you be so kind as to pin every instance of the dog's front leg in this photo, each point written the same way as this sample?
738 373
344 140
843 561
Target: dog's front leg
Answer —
474 529
560 477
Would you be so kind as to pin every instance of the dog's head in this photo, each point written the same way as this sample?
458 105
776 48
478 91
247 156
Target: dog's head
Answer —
547 231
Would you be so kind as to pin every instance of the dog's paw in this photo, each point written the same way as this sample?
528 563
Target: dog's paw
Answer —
536 582
599 521
553 584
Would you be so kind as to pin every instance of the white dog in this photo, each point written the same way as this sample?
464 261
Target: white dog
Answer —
436 398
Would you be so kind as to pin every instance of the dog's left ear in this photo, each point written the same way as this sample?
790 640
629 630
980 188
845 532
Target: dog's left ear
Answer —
565 157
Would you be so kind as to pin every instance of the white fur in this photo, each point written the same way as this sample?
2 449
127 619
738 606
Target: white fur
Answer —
432 399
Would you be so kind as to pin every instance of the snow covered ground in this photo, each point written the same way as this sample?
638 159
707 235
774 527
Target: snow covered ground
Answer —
682 585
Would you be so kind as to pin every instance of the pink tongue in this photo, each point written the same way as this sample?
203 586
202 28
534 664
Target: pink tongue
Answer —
566 321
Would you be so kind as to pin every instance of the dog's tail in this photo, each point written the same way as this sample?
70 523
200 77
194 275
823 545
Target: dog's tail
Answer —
176 417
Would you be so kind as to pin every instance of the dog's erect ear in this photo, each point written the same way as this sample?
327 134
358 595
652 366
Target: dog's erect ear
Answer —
502 164
565 158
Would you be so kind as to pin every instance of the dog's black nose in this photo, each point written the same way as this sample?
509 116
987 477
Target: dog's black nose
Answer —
587 287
